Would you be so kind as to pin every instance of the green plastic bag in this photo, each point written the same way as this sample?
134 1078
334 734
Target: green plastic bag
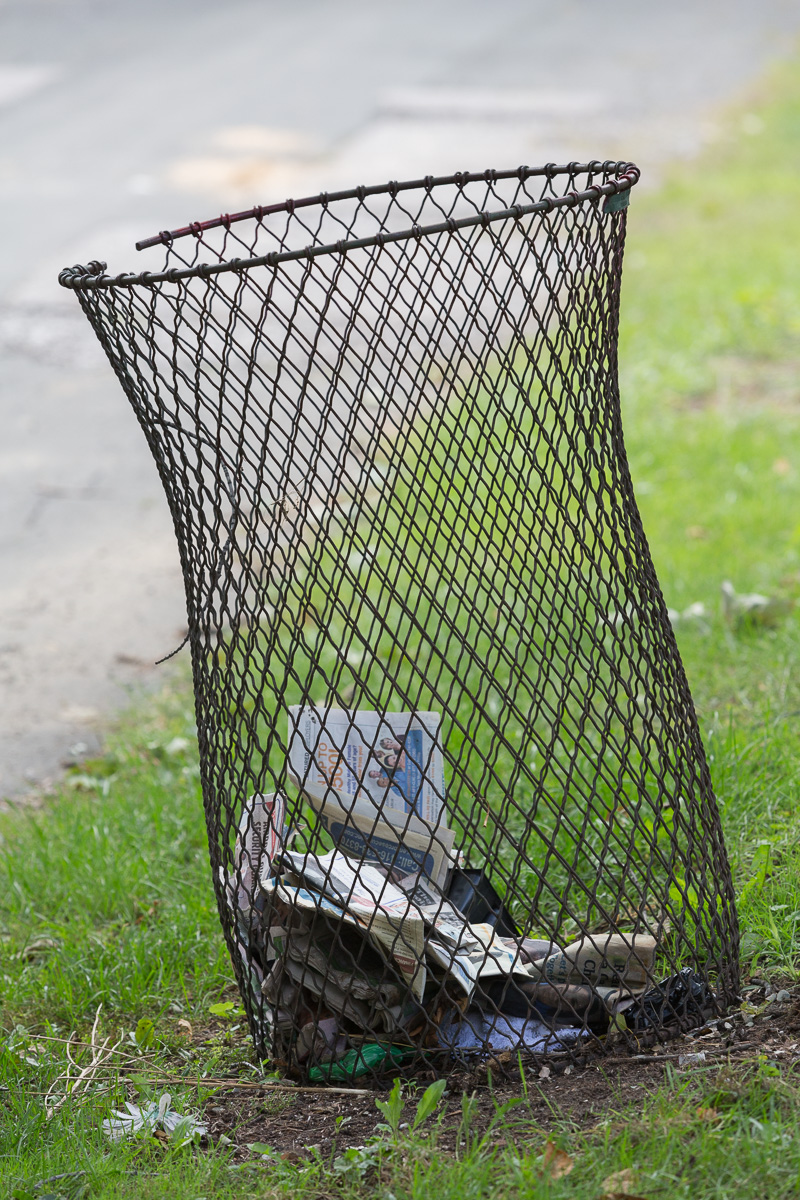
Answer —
370 1057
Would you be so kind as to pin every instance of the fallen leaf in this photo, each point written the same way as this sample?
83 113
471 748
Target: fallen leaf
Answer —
622 1183
544 1073
556 1163
186 1028
38 946
259 1148
706 1114
148 912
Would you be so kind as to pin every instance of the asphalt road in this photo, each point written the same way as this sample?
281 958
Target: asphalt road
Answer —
120 118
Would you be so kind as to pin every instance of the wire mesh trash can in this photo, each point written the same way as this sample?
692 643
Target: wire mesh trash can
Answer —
457 803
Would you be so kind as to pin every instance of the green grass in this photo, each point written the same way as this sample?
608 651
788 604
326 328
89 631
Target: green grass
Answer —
711 315
710 337
115 873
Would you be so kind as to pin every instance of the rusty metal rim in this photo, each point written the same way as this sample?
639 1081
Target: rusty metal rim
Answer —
92 276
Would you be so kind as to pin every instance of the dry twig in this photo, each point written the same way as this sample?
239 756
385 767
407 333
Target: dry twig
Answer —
100 1058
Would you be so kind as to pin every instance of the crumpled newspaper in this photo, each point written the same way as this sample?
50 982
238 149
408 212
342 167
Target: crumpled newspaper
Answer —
143 1122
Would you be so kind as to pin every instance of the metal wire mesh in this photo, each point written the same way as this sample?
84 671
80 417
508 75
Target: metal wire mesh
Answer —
428 642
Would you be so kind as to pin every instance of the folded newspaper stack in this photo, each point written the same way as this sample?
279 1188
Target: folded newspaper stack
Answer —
377 784
362 942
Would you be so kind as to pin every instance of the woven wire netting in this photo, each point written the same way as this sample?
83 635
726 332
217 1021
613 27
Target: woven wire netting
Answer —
457 802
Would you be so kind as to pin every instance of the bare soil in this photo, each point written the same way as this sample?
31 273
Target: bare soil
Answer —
295 1123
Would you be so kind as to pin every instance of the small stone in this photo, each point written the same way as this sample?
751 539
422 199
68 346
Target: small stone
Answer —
783 996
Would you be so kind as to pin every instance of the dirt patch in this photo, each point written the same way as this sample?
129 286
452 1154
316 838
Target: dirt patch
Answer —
332 1122
294 1122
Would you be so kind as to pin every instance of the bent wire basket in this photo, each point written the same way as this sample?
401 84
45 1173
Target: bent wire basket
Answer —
456 797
